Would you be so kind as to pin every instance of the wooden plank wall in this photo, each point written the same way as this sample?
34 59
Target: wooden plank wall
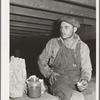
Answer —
35 18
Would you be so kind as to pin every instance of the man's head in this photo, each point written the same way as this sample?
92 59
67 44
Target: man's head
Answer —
70 20
68 27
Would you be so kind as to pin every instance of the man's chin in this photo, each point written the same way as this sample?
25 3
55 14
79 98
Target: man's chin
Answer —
64 38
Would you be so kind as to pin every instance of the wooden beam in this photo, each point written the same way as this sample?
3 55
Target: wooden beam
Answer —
29 25
58 7
89 22
29 33
34 13
30 19
41 14
29 29
86 3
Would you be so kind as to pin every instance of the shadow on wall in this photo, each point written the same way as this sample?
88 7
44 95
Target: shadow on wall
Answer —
92 46
56 30
30 51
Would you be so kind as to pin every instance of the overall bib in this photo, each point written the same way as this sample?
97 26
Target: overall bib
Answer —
67 63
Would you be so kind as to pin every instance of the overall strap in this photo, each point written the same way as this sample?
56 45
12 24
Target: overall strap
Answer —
60 43
78 46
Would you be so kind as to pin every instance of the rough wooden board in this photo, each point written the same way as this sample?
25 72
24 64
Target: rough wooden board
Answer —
58 7
35 33
29 25
89 22
88 3
20 11
29 29
30 19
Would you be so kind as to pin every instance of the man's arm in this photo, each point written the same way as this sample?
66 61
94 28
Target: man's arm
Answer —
86 63
44 58
86 68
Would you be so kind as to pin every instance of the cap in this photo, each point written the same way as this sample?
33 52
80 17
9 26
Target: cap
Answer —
70 20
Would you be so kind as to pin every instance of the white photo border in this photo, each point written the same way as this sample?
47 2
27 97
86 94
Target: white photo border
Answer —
5 50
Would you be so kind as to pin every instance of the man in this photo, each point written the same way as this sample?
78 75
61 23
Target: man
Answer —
65 61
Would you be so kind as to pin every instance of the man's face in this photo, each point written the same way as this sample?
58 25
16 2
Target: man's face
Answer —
66 30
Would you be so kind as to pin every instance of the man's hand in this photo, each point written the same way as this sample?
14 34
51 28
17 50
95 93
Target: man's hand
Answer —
53 77
82 85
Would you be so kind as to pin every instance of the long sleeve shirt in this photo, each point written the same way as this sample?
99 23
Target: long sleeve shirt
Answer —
50 51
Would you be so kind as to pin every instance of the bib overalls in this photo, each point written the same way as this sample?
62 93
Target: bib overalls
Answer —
68 64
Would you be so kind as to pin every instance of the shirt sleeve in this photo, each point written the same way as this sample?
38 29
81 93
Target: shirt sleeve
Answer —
44 58
86 63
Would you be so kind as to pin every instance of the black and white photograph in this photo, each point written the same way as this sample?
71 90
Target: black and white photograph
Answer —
52 50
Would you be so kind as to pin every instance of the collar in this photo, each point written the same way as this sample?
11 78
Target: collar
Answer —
77 39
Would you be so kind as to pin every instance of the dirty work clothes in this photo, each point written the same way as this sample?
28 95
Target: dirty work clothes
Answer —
67 63
49 53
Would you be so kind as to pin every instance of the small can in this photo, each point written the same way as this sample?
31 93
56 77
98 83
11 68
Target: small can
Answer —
34 89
